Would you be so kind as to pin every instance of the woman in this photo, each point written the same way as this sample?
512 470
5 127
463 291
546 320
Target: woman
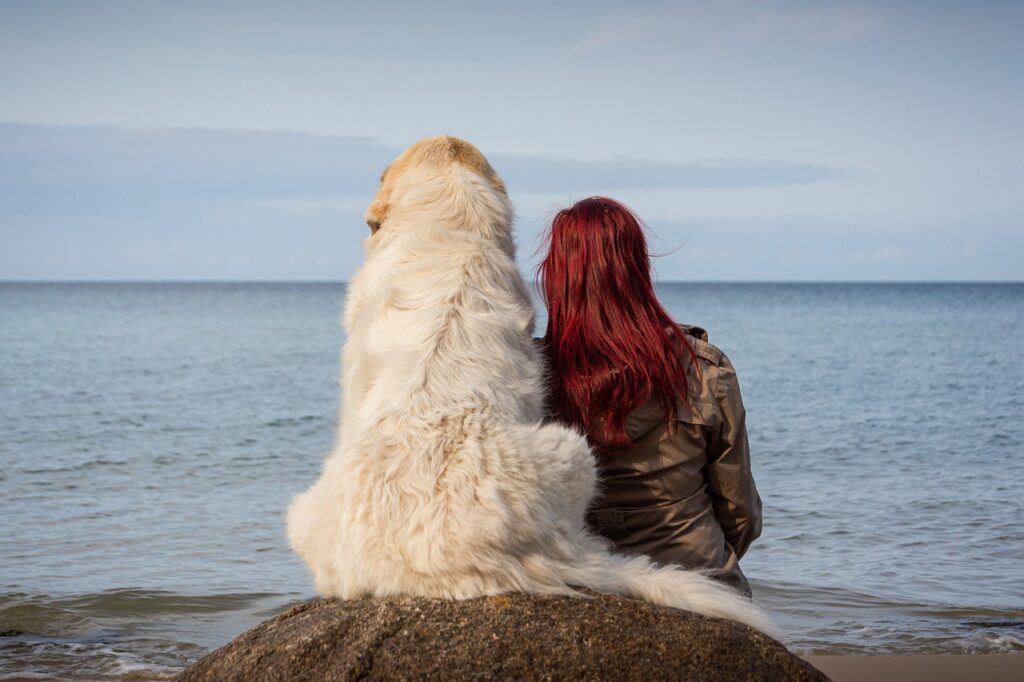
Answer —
659 403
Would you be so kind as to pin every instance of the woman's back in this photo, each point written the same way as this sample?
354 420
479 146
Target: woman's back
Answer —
683 493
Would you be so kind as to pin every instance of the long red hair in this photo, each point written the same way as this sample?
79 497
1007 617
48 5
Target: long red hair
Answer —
610 345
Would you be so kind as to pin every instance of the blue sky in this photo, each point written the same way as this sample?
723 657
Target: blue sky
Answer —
758 140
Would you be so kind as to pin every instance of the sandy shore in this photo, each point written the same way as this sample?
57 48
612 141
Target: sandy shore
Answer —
982 668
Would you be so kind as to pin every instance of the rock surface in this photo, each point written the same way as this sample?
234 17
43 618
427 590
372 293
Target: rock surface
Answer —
515 636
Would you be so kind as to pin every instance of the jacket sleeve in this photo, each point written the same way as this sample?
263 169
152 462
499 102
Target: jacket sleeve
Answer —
736 502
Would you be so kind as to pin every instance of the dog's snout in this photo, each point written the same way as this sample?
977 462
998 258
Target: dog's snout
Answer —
374 225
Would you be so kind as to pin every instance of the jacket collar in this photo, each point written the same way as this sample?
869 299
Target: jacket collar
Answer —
695 332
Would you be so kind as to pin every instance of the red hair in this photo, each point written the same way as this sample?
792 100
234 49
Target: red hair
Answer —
609 343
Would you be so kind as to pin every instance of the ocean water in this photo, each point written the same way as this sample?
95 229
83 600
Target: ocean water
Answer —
154 433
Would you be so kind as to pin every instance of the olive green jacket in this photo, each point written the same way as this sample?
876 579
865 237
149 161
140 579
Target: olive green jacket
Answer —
685 494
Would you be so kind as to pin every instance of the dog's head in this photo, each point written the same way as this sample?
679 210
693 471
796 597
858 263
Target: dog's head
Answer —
443 179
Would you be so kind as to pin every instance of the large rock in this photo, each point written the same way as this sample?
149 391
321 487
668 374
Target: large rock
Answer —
515 636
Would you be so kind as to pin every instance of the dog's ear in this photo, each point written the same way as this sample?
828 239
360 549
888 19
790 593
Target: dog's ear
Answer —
377 211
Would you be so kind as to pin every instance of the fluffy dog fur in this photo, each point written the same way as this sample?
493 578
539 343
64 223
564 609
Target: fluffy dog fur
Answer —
444 482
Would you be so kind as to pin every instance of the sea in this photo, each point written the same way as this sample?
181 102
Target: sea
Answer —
152 434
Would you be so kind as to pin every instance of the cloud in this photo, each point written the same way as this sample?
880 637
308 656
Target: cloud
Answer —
562 175
790 250
118 169
839 22
107 168
739 20
885 253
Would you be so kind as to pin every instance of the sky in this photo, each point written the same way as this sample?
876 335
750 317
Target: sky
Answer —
758 140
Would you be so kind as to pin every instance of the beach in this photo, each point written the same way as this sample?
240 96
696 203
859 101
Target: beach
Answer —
978 668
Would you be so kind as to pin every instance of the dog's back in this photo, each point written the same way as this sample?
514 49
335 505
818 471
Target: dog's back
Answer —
443 481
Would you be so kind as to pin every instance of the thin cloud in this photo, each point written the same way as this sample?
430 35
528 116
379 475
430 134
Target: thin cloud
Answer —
838 23
108 169
742 20
538 175
883 254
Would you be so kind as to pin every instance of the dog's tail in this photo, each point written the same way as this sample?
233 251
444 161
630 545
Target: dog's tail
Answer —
638 577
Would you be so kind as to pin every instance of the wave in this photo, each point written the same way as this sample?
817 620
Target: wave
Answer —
122 634
40 615
94 660
294 421
74 468
837 620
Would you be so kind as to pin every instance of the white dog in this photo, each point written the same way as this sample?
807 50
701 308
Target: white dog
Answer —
444 482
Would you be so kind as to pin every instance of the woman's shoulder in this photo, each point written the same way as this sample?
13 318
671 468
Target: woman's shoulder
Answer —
697 337
714 376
